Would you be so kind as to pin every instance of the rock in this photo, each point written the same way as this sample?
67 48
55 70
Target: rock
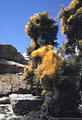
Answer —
26 57
12 83
80 108
6 113
2 117
23 103
10 67
10 53
4 100
6 109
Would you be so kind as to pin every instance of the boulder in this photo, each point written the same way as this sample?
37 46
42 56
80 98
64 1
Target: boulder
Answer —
24 103
10 53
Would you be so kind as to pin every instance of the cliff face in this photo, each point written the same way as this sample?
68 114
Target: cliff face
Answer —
11 70
9 52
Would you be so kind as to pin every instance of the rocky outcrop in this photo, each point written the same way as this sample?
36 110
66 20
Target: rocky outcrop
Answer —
12 83
11 70
10 67
6 113
11 61
16 106
24 103
10 53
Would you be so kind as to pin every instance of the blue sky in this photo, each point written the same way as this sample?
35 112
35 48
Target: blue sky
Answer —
14 15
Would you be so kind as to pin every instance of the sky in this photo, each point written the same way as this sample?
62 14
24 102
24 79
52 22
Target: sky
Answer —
14 15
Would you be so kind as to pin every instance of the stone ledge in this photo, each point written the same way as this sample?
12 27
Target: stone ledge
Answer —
24 103
10 67
10 53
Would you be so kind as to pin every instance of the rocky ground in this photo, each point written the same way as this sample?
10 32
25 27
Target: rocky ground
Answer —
13 103
17 107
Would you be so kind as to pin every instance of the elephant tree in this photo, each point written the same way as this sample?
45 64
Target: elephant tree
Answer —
71 21
42 30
